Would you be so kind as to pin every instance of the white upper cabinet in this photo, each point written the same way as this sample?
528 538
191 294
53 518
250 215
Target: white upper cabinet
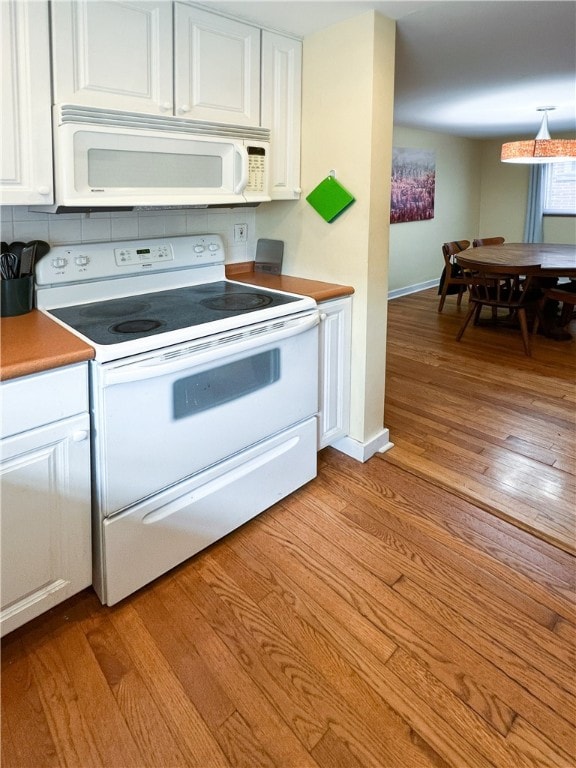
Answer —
281 111
217 67
25 100
113 54
175 59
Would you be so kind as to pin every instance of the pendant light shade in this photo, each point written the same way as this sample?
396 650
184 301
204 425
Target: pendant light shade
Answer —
542 149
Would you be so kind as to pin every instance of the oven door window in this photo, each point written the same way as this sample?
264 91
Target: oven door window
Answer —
225 383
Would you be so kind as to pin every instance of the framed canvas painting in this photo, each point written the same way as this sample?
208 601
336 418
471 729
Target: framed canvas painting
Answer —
413 184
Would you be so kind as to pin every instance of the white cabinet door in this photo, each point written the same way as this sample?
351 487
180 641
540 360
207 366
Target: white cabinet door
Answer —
217 68
281 111
334 380
25 104
113 54
45 519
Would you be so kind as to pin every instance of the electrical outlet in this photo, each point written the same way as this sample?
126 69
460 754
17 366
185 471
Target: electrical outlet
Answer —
240 233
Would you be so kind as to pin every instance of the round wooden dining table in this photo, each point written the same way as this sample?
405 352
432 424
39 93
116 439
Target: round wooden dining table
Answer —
550 260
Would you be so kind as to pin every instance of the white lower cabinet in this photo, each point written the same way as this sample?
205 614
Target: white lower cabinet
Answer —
334 373
45 517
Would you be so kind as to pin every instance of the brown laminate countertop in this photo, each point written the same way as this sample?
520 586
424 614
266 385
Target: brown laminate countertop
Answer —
33 342
319 291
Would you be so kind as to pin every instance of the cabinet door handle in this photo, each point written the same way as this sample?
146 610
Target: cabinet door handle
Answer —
166 106
43 190
79 434
183 109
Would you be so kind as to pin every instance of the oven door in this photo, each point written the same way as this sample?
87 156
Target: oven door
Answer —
162 417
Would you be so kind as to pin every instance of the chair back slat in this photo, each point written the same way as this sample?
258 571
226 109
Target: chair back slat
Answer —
453 247
477 242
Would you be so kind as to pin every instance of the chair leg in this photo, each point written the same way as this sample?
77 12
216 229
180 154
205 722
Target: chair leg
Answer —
472 309
477 314
538 315
566 313
461 291
524 328
443 296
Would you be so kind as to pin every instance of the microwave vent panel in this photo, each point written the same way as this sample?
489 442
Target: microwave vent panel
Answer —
67 113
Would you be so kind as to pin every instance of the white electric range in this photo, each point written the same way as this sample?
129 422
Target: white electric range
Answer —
204 395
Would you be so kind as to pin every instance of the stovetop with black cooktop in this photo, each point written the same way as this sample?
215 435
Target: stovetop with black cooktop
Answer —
134 317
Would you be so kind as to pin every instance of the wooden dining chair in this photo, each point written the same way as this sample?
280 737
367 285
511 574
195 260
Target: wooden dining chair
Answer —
500 286
487 241
452 274
566 298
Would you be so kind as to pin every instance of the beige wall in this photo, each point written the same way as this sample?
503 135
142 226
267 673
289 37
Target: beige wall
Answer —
347 104
503 194
415 247
476 196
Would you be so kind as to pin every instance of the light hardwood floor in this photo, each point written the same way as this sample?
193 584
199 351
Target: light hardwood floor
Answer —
373 619
481 418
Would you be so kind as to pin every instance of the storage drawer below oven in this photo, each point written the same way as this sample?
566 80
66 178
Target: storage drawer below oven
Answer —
140 544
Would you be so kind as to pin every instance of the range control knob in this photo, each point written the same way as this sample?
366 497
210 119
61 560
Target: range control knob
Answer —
214 246
81 261
59 262
199 249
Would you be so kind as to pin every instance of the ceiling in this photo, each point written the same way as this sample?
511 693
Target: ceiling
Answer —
473 69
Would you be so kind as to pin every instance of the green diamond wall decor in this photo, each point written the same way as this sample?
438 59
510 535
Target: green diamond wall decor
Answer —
330 198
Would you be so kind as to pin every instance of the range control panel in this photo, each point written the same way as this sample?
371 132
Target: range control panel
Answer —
85 262
145 254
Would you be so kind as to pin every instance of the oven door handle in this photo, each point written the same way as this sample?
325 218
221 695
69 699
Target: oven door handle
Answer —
159 366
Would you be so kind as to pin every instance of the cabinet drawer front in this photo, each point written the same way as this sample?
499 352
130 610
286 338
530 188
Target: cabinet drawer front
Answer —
32 401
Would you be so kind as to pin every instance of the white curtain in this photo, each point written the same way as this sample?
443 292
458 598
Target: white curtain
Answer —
535 204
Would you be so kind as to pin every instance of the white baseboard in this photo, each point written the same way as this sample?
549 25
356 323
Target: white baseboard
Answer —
397 292
363 451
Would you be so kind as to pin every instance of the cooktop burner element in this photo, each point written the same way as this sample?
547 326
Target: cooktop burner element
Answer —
136 326
237 302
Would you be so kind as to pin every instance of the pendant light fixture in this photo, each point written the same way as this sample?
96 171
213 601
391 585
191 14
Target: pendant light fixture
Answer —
542 149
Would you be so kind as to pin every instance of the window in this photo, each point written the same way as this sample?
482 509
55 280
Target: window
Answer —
560 189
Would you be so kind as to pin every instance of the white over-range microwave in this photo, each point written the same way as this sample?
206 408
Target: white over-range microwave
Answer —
106 158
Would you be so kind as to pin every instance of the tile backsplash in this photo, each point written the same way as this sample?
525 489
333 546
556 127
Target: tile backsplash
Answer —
21 223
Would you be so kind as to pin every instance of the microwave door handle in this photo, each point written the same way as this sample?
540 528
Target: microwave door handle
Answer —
150 369
242 154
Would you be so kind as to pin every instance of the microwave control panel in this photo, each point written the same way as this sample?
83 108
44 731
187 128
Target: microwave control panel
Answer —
256 169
